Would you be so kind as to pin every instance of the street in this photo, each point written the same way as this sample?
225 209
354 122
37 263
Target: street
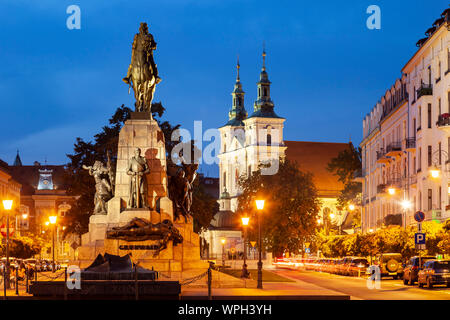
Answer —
357 289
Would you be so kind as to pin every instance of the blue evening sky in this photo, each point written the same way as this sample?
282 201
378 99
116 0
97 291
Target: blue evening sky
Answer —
327 69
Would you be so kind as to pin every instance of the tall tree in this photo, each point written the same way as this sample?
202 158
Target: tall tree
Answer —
344 166
291 207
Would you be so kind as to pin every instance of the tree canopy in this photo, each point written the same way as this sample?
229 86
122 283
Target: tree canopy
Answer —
291 207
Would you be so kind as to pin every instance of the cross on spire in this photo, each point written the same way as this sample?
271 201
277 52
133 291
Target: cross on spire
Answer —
238 66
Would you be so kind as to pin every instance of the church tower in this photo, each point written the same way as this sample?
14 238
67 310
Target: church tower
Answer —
232 136
264 128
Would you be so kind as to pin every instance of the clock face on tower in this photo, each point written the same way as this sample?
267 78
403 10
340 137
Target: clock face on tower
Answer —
45 180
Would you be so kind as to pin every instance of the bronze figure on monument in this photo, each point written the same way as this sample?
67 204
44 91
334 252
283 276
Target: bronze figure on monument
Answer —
137 169
104 185
142 73
140 229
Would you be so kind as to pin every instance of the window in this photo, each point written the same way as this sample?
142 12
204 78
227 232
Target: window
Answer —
224 179
249 171
269 140
430 199
429 156
439 107
440 153
414 165
414 128
429 115
420 118
419 160
224 147
440 198
420 200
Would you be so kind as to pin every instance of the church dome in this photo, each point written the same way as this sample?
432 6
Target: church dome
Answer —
224 220
225 194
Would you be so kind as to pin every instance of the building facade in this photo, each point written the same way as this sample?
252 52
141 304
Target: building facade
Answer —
10 190
406 141
43 193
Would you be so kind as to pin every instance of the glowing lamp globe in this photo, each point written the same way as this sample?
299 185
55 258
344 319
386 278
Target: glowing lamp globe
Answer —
7 204
259 204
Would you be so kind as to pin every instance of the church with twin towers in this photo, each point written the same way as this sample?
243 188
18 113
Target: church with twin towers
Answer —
250 138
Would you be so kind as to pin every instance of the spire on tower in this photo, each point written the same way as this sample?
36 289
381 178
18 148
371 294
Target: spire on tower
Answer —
237 112
264 56
17 162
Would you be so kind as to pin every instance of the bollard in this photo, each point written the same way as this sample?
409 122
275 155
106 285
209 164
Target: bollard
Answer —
4 281
209 282
136 283
27 270
17 281
65 283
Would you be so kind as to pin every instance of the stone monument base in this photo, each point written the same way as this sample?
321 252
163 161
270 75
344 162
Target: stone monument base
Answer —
178 258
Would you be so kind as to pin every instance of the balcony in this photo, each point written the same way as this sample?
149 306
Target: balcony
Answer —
424 90
381 157
444 122
410 144
394 149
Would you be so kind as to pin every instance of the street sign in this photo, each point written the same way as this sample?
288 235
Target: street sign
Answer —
419 216
420 247
419 238
253 243
3 230
307 244
308 250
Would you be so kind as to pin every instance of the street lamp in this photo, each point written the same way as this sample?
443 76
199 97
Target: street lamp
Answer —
435 172
7 205
391 191
260 207
52 220
245 221
351 207
223 251
405 205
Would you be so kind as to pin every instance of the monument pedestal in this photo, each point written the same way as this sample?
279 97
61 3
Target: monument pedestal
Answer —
146 135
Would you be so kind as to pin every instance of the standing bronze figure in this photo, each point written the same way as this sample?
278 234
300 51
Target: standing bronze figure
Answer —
137 169
181 183
142 73
103 185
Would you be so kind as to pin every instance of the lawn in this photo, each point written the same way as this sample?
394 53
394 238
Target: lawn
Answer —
266 275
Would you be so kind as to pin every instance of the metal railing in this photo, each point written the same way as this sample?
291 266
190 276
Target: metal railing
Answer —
394 146
410 143
443 120
425 90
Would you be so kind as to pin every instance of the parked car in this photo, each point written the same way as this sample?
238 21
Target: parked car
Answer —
357 267
390 264
411 271
434 272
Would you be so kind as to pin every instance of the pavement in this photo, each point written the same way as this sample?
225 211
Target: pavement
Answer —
297 290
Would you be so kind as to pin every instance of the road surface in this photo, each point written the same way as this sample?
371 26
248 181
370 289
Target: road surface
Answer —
357 287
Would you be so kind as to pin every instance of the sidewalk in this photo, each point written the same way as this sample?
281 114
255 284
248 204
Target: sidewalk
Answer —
298 290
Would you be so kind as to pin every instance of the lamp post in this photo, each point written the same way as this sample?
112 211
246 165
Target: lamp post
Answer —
260 207
245 221
52 220
223 251
7 205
